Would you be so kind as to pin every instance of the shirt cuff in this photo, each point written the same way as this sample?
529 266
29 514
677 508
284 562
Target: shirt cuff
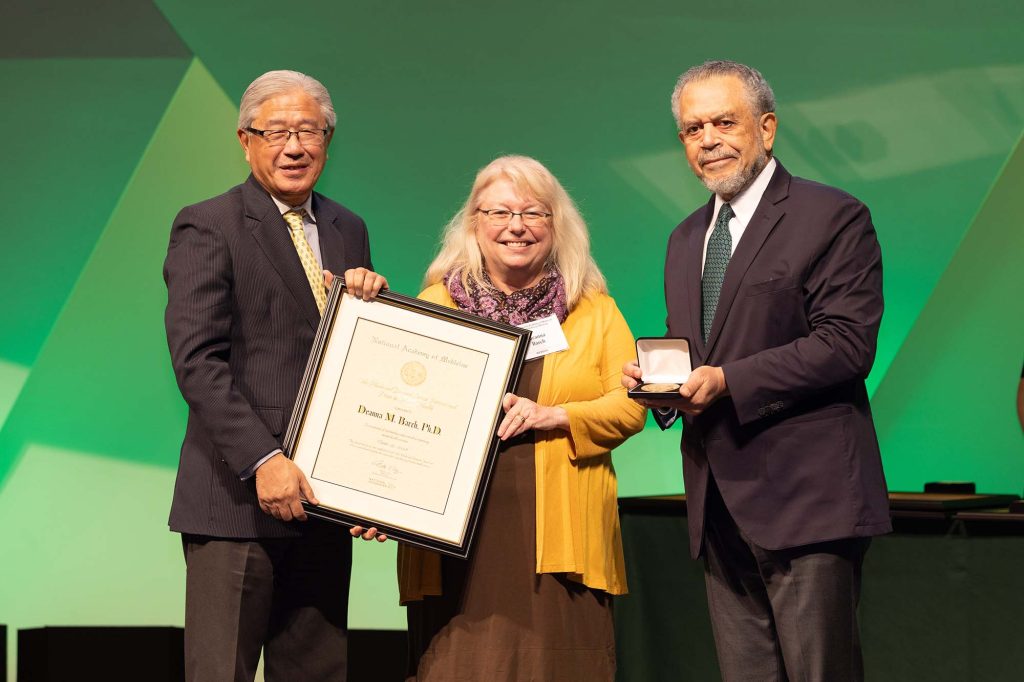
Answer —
251 471
665 416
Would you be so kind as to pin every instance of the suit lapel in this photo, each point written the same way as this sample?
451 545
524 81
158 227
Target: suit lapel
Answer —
332 244
271 233
694 271
761 224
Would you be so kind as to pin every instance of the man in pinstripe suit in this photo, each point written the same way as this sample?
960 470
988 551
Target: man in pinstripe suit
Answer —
242 312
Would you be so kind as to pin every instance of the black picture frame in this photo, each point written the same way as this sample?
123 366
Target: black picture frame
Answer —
325 433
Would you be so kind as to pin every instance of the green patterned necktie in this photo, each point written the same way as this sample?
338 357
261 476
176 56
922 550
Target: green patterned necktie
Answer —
715 262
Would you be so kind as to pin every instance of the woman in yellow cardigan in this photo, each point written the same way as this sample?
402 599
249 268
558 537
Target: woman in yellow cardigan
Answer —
533 601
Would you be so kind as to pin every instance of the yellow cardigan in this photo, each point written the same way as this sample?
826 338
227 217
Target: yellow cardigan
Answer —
577 495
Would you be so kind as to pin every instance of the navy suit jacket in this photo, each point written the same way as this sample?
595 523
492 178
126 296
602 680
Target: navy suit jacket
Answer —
793 447
240 321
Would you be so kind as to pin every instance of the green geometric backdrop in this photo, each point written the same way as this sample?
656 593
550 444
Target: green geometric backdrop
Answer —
119 113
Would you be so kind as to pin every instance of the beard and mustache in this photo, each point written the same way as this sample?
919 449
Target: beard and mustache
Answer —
731 185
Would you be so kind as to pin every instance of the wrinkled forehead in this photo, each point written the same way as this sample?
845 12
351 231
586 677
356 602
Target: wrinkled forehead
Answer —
292 107
714 97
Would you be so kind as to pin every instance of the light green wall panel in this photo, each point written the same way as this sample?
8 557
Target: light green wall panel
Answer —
946 409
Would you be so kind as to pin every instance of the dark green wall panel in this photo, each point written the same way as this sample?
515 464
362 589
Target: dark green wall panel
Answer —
69 155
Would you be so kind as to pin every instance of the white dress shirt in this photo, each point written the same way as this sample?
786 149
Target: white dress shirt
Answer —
743 206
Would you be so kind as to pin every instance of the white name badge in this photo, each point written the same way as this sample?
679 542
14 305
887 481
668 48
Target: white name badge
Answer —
547 337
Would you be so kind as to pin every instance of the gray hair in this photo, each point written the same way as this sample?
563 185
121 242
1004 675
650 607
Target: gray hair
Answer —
762 99
570 253
274 83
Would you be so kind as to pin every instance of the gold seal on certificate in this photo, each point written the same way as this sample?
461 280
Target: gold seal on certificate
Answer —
413 373
659 388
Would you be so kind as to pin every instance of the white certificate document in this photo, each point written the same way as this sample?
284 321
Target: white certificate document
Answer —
395 422
398 432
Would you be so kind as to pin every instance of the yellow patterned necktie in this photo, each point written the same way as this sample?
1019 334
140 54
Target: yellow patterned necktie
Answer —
313 272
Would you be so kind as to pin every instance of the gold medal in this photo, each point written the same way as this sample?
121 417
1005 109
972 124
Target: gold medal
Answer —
659 388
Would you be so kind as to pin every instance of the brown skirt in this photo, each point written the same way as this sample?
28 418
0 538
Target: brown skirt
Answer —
497 619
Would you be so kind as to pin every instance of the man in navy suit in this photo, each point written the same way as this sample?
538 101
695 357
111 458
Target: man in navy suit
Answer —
244 273
777 284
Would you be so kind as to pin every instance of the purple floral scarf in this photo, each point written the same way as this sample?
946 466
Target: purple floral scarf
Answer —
545 298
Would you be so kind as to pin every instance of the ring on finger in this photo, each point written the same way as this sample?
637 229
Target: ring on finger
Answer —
522 418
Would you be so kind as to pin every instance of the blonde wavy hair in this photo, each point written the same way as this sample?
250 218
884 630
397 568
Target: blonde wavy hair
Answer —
570 252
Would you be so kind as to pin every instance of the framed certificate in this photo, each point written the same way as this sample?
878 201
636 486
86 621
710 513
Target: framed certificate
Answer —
394 425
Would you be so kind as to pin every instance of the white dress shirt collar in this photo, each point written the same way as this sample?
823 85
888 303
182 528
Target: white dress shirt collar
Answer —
307 205
745 203
743 206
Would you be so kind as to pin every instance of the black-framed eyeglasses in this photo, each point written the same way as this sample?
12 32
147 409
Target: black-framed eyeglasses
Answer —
279 138
500 217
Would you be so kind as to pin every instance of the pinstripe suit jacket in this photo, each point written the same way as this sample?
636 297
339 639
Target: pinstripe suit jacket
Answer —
240 323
